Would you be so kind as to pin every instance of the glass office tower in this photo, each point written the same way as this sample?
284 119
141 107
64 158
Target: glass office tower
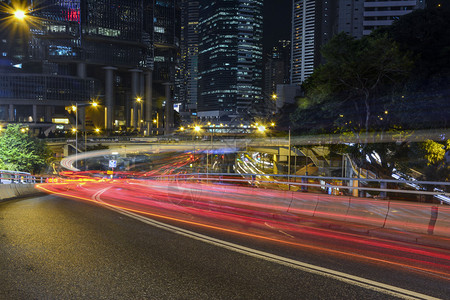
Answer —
189 59
230 58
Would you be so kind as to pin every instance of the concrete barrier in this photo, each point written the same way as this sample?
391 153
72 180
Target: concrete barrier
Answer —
6 192
11 191
367 211
303 203
332 207
422 218
409 216
442 225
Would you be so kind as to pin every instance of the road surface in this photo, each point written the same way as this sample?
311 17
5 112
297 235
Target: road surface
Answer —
56 248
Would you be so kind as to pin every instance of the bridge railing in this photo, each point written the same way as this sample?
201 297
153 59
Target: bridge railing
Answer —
410 190
15 177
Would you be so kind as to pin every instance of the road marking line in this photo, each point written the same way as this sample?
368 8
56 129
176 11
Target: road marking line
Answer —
340 276
287 234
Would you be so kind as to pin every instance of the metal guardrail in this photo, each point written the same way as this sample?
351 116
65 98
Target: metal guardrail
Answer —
356 187
15 177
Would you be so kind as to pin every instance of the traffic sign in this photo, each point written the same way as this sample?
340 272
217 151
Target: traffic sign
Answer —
113 163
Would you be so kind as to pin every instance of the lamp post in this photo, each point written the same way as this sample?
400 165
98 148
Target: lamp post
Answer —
289 157
197 129
75 108
139 114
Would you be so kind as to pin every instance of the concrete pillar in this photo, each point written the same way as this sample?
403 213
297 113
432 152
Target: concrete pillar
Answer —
34 113
11 113
48 113
135 90
81 70
168 118
355 193
149 100
109 97
275 161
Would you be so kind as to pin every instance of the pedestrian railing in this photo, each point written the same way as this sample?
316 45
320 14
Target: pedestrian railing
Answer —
14 177
410 190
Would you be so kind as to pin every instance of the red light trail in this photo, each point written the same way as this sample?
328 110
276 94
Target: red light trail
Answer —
249 212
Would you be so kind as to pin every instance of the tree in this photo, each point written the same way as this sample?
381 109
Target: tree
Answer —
426 34
429 159
25 153
357 81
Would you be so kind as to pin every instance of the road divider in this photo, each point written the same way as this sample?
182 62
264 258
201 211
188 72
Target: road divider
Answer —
11 191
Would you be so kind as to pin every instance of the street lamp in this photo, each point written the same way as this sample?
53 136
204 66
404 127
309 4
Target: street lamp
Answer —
75 108
19 15
196 130
261 128
139 114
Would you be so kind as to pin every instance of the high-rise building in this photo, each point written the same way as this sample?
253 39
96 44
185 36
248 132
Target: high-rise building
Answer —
78 50
277 67
314 22
166 41
379 13
189 58
230 58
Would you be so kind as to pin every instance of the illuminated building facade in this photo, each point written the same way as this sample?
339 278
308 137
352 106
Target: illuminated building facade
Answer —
312 22
80 50
189 59
230 58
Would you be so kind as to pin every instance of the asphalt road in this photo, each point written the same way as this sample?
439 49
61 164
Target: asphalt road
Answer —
55 248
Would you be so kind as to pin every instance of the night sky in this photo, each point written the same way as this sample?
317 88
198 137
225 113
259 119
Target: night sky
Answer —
277 21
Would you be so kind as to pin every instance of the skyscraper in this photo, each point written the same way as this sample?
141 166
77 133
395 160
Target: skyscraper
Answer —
189 57
277 67
312 22
230 58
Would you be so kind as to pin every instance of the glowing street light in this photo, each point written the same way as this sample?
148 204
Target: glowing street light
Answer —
20 15
262 128
138 115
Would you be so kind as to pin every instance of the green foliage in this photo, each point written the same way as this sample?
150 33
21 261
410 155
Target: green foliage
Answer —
353 88
428 158
426 34
7 166
433 152
22 152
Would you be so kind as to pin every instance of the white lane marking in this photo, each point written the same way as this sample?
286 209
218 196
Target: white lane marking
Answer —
287 234
340 276
280 231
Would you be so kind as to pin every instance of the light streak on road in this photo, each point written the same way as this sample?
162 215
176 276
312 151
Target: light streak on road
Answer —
249 212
